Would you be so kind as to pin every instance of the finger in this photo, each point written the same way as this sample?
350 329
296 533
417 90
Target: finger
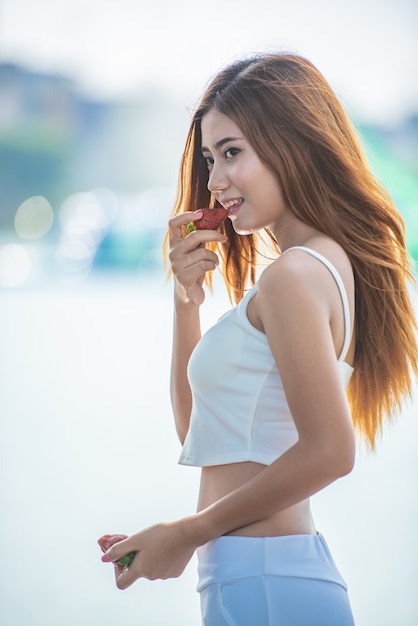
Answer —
117 551
206 236
186 277
125 577
177 223
184 256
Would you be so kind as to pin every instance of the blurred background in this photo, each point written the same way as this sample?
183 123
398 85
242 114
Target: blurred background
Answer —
95 102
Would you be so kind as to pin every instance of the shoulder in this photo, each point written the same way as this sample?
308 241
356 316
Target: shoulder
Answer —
298 283
293 272
299 268
290 289
294 264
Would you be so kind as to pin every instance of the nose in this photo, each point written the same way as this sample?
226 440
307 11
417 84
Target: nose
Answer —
218 180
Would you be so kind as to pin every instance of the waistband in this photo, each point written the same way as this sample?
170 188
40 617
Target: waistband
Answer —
234 557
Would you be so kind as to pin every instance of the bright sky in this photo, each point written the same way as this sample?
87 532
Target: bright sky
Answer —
367 49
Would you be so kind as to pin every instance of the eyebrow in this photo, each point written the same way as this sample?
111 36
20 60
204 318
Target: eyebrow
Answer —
222 142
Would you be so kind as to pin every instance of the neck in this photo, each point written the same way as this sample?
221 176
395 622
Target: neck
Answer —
292 232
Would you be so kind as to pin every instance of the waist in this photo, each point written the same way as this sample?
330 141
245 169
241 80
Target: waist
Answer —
229 558
219 480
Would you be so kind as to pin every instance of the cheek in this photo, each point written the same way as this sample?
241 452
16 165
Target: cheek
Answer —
275 192
245 177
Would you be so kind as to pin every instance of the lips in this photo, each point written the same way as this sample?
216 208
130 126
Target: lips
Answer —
232 206
235 208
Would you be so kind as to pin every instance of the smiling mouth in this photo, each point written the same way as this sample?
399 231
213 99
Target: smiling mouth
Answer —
233 206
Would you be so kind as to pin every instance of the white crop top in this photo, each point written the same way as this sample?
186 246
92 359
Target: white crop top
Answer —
239 410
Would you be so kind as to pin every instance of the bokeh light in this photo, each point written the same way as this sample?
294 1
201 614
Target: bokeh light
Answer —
91 211
15 265
84 219
34 218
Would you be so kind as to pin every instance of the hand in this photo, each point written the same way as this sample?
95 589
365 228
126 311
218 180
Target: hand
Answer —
189 258
163 551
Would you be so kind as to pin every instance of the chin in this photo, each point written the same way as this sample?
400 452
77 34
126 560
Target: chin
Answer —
242 229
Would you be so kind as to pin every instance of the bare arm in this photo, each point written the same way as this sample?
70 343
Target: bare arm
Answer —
186 334
189 264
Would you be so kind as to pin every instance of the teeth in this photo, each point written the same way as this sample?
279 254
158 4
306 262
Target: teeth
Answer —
228 205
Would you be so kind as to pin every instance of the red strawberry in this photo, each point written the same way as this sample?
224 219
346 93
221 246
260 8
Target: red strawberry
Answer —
210 220
107 541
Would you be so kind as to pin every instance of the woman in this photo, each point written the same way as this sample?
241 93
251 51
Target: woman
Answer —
267 402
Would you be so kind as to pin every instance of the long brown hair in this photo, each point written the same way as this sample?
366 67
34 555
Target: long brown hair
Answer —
294 121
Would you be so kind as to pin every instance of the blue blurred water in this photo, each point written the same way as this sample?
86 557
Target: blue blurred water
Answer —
87 446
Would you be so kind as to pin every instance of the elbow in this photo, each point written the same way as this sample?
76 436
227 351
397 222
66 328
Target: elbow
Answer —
345 465
348 452
182 437
341 458
181 414
331 458
182 428
333 466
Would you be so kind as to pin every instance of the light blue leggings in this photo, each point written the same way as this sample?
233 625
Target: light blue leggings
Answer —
271 581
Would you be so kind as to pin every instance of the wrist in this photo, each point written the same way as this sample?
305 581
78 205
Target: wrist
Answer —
184 306
188 297
196 530
181 297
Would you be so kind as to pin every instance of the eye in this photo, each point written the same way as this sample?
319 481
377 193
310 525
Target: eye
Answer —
208 160
231 152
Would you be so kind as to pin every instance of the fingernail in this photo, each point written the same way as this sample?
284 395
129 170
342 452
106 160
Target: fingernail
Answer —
106 558
198 213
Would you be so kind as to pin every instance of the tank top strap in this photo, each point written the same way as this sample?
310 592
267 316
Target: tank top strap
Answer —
343 293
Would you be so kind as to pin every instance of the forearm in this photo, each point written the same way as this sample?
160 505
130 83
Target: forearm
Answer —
294 477
186 334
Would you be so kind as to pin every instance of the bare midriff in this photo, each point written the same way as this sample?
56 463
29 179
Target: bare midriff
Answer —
218 481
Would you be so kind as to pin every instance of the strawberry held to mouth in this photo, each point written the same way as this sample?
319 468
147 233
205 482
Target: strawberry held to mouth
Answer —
210 220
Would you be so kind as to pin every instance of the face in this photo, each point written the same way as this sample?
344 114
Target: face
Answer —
238 179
